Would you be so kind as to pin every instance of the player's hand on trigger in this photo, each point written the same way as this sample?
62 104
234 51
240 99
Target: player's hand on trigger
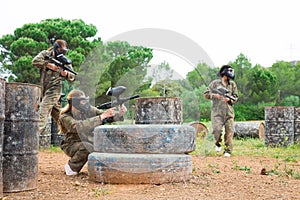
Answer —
108 113
53 67
64 73
122 109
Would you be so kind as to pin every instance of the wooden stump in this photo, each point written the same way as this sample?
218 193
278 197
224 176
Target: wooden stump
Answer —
201 129
249 129
279 125
297 125
2 118
159 110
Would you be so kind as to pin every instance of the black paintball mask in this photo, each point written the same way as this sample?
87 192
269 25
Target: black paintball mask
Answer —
228 71
60 53
80 103
58 50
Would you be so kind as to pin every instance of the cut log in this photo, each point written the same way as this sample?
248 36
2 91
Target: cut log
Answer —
158 110
201 129
249 129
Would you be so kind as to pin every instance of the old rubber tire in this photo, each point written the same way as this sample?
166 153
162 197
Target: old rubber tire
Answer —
139 168
162 139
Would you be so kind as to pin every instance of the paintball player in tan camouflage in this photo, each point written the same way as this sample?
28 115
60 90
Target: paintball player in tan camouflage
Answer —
224 94
77 121
51 77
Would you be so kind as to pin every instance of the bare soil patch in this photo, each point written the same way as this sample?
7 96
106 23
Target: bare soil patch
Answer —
213 177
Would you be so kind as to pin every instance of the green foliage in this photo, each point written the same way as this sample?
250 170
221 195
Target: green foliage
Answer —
195 106
263 86
291 101
32 38
244 112
242 68
149 93
27 76
202 75
26 46
6 41
169 88
115 63
288 78
160 73
101 66
128 67
190 104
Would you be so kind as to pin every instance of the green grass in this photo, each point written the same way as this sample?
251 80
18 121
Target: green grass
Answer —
256 147
285 163
51 149
251 147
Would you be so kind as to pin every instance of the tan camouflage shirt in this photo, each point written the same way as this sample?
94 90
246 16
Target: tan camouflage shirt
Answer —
80 127
48 77
220 107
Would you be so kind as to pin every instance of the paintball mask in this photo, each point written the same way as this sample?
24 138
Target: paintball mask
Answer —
58 50
226 70
80 103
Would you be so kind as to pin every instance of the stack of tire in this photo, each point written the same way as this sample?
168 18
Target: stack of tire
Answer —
142 153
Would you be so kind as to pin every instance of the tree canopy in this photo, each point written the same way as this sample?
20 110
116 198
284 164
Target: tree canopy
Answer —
27 41
102 65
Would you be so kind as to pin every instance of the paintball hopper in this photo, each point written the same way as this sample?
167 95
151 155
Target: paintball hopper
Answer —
116 91
62 58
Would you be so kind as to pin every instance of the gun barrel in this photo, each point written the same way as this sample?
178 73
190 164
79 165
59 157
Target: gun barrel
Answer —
134 97
120 101
69 69
60 64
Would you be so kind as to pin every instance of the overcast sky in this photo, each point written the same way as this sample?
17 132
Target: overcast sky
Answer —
264 31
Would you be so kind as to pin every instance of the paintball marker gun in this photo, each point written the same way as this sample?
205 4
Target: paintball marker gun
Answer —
224 92
115 92
62 62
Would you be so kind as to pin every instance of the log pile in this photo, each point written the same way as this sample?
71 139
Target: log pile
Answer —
249 129
279 125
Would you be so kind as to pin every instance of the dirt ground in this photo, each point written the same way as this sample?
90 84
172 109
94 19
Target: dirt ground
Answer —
213 177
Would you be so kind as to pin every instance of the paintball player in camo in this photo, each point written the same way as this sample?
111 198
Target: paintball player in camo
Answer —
224 94
77 121
51 77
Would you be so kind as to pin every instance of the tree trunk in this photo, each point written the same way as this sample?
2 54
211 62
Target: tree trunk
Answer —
249 129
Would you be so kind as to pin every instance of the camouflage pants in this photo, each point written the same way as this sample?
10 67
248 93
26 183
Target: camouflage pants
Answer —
50 99
217 125
78 153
